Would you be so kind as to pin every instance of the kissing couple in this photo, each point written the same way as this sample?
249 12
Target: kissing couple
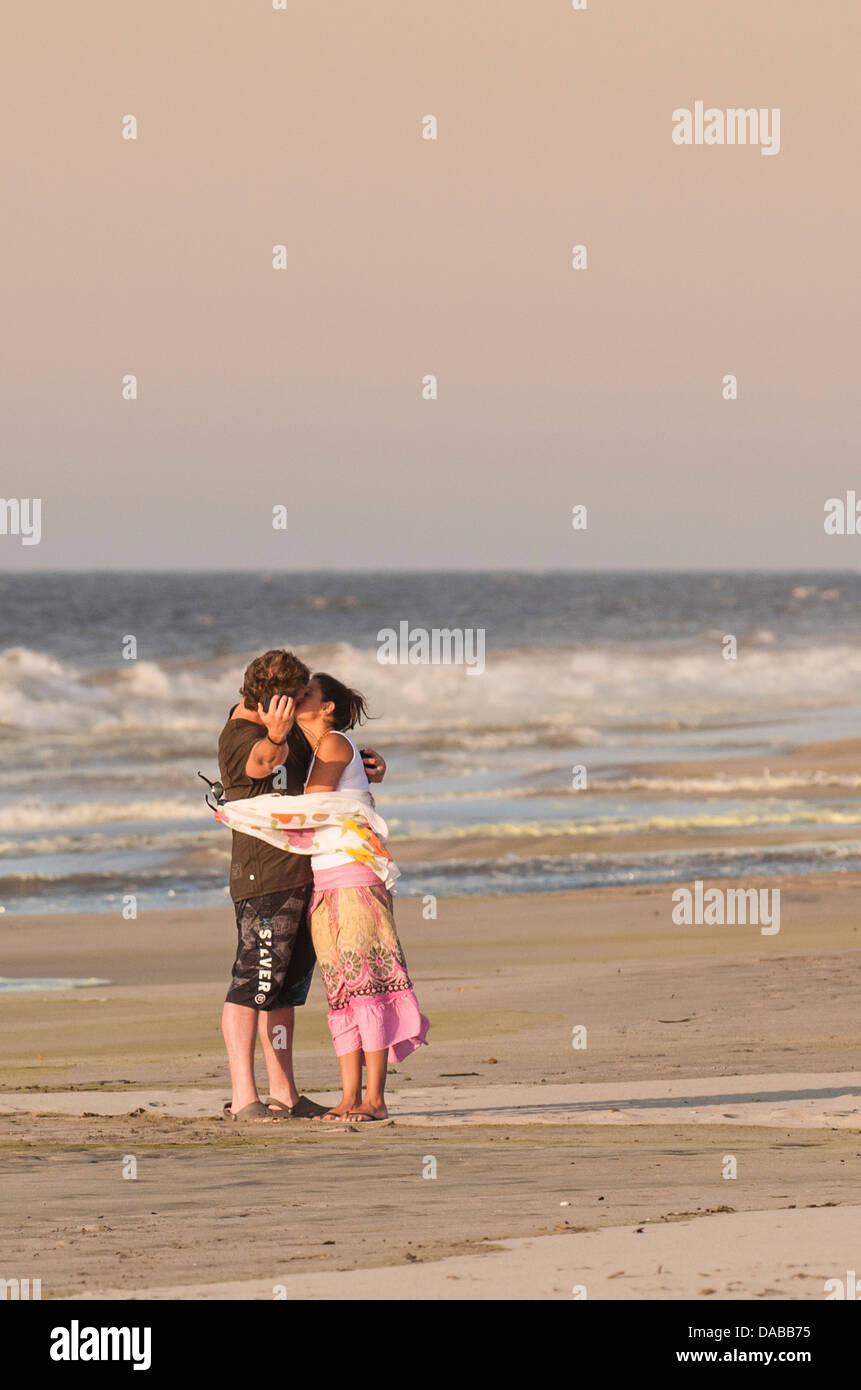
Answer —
288 736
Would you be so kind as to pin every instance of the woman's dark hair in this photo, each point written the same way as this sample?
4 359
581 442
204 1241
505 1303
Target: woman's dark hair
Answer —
350 707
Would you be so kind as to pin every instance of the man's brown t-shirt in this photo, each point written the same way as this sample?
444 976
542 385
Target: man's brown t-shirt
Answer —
255 867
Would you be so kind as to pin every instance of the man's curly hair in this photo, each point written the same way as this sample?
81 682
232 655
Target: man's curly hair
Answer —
278 672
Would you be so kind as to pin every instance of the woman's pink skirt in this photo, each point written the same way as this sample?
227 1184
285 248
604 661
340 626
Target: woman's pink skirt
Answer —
392 1021
372 1004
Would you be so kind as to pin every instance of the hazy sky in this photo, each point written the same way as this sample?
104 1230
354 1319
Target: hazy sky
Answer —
408 256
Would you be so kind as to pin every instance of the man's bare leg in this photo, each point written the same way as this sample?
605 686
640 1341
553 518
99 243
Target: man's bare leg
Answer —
275 1029
239 1028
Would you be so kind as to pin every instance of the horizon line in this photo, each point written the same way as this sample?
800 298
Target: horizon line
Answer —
330 570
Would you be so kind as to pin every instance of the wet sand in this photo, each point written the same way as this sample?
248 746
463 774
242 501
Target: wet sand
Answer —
517 1121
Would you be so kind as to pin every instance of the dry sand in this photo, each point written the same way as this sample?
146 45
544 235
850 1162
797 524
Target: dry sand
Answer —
703 1043
773 1255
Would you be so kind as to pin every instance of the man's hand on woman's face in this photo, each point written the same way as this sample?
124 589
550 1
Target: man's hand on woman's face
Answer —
279 720
375 766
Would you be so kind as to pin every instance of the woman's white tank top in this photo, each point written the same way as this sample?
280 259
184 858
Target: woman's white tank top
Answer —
352 779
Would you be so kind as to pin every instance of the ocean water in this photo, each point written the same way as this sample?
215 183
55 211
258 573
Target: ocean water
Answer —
99 796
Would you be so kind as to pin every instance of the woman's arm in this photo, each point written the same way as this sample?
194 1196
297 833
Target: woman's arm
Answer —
375 764
333 755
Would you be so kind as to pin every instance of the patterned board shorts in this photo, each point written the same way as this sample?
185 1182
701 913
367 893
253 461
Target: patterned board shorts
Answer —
275 959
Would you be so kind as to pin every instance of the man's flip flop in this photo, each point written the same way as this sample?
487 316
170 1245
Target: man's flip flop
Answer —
304 1109
362 1117
256 1111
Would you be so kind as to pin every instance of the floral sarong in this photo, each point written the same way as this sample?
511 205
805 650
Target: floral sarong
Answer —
372 1004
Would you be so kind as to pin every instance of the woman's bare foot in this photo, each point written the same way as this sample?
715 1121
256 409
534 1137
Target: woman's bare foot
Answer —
342 1109
368 1111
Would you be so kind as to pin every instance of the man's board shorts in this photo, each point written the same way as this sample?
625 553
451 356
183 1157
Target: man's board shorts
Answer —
275 958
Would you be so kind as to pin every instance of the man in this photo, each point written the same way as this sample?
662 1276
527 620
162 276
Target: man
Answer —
261 750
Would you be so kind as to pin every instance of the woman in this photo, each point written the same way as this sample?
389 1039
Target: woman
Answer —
374 1015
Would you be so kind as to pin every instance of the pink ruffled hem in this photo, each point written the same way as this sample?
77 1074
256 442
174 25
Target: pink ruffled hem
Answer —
392 1021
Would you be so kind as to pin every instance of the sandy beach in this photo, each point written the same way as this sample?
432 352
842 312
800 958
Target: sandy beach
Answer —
555 1167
